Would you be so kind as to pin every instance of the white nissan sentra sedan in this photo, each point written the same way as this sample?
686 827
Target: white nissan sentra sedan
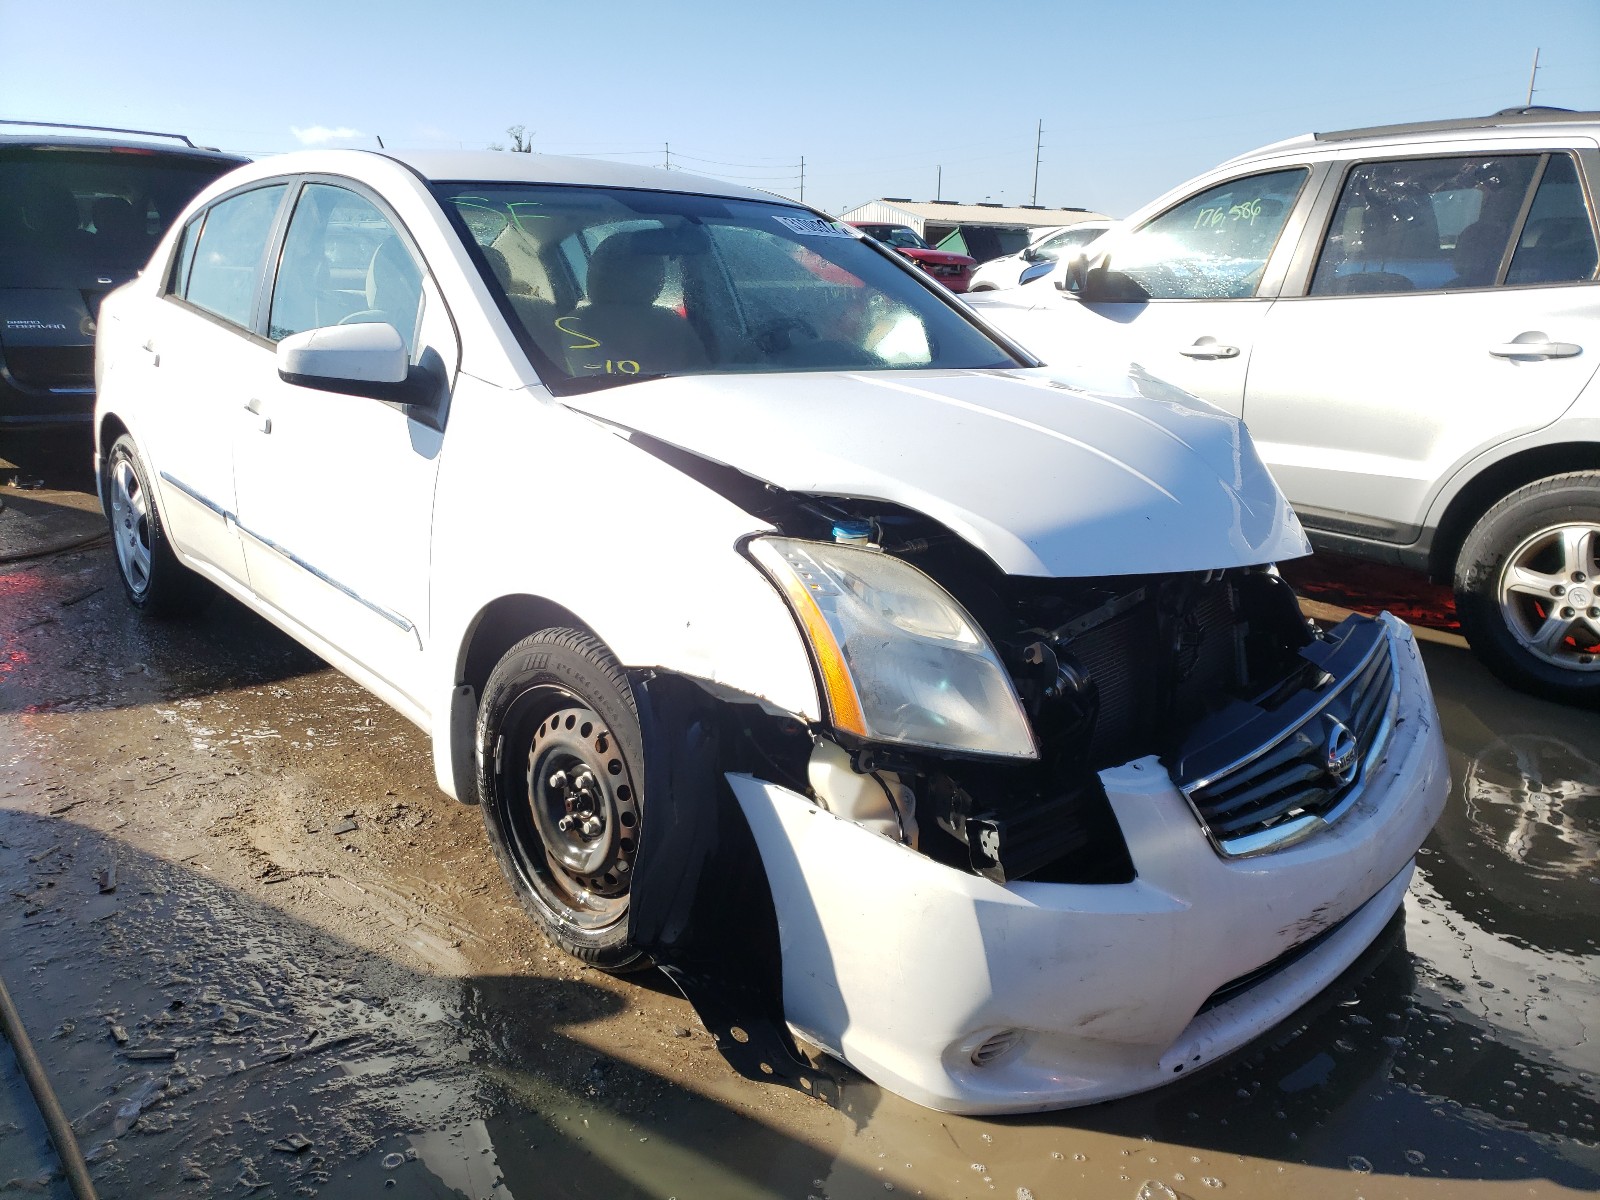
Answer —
794 630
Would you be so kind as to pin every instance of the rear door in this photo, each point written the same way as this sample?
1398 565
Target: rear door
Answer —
335 491
1447 303
201 345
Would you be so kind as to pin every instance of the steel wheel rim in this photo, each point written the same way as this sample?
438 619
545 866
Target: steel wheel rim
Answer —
582 875
1549 595
130 526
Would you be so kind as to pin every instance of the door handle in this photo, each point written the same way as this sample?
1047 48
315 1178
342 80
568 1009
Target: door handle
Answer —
1208 348
263 422
1537 346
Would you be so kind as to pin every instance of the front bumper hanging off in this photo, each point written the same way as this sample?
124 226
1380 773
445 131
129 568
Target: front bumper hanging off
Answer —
971 996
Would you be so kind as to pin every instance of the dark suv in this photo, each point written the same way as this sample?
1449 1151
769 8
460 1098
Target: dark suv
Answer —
79 216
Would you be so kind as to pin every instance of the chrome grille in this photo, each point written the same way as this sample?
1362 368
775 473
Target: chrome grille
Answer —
1312 772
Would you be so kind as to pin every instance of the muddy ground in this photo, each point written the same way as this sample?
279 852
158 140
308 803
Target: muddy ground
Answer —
261 955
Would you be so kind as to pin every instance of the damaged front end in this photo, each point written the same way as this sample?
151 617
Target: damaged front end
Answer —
1103 671
1103 749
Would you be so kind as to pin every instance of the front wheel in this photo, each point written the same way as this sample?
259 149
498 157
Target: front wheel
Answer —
559 774
1527 586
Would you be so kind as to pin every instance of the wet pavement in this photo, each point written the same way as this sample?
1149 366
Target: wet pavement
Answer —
261 955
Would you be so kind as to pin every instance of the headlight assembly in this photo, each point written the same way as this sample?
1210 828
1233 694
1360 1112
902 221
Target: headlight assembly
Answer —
900 660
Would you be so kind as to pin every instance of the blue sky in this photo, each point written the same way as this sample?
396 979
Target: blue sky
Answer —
1135 97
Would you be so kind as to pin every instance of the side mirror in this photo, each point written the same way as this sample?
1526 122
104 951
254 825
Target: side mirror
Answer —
367 359
1029 254
1075 275
1098 283
1038 271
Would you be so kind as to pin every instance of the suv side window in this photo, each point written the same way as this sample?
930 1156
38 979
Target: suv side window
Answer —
344 262
1213 246
226 267
1423 224
1557 243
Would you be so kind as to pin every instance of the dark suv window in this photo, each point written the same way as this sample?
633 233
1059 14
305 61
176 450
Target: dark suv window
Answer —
76 221
75 218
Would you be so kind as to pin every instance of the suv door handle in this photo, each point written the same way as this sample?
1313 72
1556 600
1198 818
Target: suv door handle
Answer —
1208 348
1536 349
263 422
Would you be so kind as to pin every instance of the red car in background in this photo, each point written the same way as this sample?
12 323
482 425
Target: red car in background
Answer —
952 270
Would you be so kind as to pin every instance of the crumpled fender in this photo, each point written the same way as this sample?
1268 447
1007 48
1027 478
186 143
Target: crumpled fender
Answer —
700 903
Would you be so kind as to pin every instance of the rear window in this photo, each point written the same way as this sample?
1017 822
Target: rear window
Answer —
81 218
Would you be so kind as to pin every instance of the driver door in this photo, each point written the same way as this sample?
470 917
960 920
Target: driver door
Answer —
1186 296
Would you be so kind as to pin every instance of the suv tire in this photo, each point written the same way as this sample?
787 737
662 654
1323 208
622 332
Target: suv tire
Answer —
560 764
1527 592
155 581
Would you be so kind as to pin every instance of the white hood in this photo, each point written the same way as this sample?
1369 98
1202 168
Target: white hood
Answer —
1043 477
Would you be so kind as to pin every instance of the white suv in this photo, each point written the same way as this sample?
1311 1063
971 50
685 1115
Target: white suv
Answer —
1408 318
793 630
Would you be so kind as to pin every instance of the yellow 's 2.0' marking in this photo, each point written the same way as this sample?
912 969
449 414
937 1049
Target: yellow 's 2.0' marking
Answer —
584 342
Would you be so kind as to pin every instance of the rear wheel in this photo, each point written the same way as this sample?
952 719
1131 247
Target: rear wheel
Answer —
153 578
559 779
1528 588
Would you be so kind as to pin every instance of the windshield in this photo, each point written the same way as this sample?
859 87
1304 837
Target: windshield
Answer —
901 237
610 286
85 218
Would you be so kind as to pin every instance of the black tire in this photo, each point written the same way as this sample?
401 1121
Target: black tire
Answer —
155 581
1526 588
558 737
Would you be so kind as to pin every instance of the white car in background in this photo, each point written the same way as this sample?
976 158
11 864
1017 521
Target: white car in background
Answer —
1008 270
1408 317
793 631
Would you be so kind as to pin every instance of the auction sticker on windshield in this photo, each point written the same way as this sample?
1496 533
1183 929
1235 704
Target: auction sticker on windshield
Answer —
813 227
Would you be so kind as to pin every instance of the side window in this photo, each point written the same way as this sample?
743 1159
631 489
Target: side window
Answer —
226 266
344 263
179 281
1215 245
1422 224
1557 242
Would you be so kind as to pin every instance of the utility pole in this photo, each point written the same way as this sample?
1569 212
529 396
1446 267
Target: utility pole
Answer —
938 184
667 147
1038 146
802 179
1532 75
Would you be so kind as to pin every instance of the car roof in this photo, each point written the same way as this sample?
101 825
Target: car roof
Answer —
1520 120
499 166
138 139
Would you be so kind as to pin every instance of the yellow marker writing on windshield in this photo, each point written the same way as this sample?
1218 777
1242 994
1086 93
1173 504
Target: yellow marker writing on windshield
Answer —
584 342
